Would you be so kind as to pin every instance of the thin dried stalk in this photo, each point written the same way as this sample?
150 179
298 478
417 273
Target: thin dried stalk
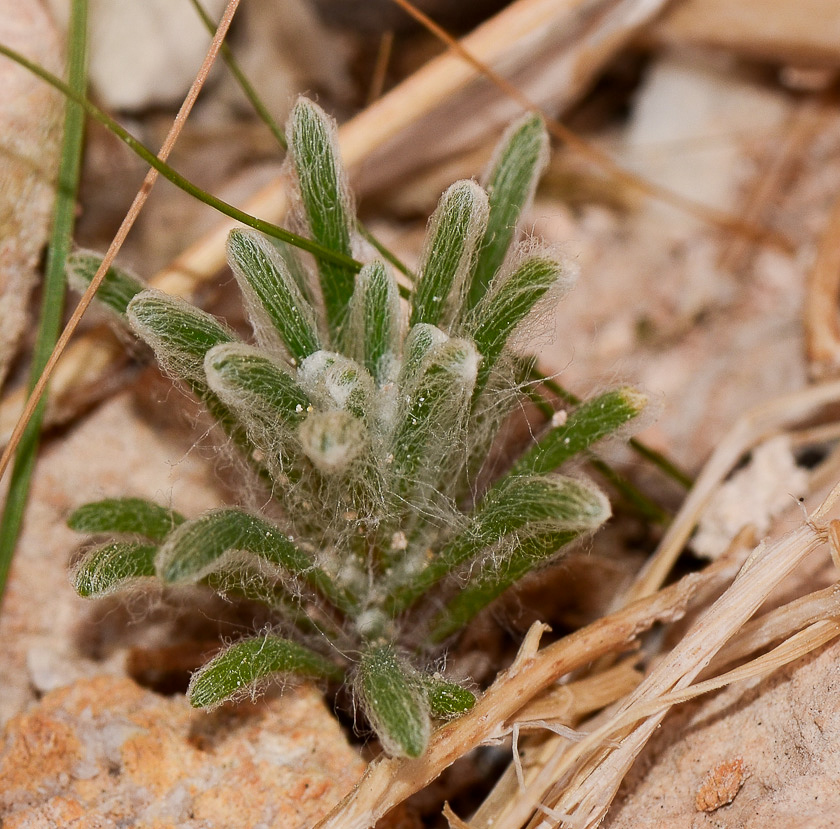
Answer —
389 781
597 769
750 430
566 704
822 327
28 407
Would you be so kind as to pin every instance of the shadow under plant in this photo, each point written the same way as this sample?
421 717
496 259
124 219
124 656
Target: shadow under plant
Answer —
368 426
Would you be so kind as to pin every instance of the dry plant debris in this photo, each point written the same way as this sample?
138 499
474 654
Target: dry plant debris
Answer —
714 342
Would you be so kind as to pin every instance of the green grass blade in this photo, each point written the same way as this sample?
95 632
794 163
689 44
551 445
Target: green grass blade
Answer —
117 289
508 303
372 333
270 290
53 287
199 547
326 203
393 699
113 566
241 78
142 151
515 169
238 670
448 253
585 426
125 515
515 508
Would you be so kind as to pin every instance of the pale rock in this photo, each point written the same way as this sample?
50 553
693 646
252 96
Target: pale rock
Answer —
782 732
105 752
30 120
754 495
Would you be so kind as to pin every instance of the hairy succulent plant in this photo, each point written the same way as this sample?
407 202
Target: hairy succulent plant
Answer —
368 419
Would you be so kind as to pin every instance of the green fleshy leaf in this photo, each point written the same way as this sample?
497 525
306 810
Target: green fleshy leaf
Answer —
197 548
237 670
334 381
585 426
373 330
394 701
270 290
117 289
433 412
516 508
112 566
447 700
508 303
254 386
454 231
326 202
179 334
494 579
520 159
264 398
125 515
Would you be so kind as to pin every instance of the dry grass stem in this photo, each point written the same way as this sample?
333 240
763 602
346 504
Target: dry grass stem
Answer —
123 231
567 704
597 770
508 38
388 781
822 327
751 429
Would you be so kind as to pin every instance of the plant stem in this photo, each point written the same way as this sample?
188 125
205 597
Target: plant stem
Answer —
53 292
175 177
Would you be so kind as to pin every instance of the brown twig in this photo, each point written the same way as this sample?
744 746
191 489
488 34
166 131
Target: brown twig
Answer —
388 780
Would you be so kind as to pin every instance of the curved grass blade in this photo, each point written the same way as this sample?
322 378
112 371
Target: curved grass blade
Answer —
326 202
448 253
238 670
510 300
520 508
589 423
520 159
117 289
270 290
125 515
49 323
394 701
198 547
113 566
372 333
141 150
